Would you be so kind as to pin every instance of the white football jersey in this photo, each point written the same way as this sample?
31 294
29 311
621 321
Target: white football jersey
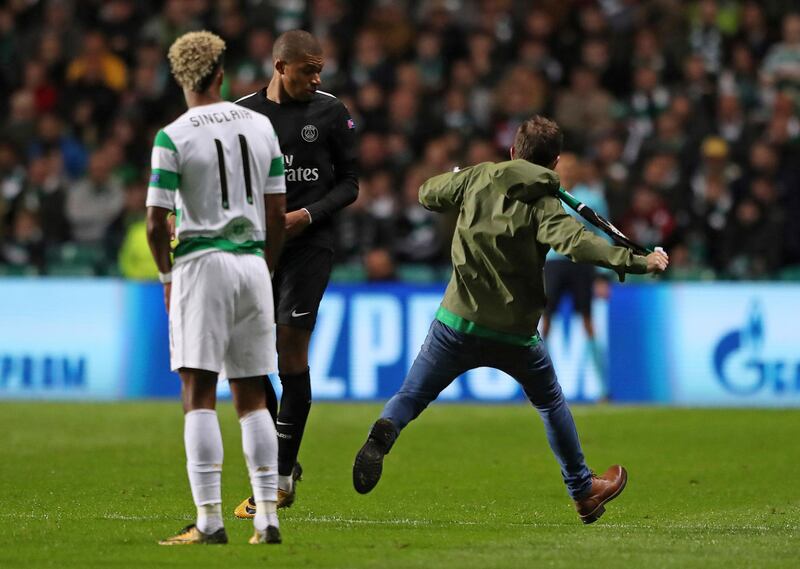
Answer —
212 166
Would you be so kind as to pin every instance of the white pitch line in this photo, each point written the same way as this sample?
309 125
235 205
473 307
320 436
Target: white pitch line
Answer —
116 516
423 522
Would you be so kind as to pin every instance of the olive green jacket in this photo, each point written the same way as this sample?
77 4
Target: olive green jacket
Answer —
508 219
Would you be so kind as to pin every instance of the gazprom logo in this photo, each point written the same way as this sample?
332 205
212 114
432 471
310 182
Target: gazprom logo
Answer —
28 372
742 366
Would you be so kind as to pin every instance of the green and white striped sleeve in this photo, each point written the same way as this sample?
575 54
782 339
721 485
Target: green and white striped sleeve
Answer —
165 177
276 180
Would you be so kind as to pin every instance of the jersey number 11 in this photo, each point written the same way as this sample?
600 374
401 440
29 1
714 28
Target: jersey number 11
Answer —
223 178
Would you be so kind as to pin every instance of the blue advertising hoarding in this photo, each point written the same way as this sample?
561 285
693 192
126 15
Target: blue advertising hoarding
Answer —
688 344
107 339
61 341
706 344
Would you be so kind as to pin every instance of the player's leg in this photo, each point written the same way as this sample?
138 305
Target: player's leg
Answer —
249 358
260 446
582 294
204 454
555 287
203 441
247 508
200 318
444 355
295 404
300 282
533 369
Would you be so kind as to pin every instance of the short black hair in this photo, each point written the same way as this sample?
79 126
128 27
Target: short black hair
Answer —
538 140
294 45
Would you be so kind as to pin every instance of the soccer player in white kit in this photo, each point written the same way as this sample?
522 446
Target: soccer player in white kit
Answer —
219 168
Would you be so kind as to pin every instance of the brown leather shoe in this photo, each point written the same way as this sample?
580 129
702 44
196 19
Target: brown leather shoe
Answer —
604 489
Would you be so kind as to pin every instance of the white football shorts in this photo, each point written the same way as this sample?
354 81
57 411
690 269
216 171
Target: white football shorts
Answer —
222 316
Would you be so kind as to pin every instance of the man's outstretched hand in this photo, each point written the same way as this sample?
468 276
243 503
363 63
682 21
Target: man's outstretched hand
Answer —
657 262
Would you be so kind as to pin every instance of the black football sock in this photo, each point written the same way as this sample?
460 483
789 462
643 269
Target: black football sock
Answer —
295 405
272 399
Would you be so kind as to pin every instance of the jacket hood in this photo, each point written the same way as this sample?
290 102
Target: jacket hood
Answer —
526 182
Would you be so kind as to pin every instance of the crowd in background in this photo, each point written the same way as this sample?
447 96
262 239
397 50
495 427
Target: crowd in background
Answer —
683 118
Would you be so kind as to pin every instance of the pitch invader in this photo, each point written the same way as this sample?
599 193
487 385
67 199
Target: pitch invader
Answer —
509 216
220 169
317 137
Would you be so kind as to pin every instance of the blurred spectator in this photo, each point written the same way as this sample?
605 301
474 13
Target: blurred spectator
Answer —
705 36
255 69
584 109
781 68
12 171
35 81
52 56
741 78
710 214
51 136
716 168
520 94
25 245
536 55
379 265
615 174
429 60
753 31
648 52
44 194
135 259
733 128
120 21
97 64
751 242
370 62
662 173
175 19
20 126
417 233
9 49
95 201
648 220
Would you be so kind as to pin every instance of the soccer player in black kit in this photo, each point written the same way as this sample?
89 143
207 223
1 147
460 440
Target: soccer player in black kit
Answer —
317 138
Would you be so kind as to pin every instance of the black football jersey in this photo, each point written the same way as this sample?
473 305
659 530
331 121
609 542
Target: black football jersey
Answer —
317 138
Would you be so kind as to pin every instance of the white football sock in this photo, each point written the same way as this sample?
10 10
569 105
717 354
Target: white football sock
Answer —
266 515
203 441
260 445
209 518
285 483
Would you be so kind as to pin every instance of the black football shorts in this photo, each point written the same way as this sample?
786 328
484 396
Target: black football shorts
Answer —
298 285
563 277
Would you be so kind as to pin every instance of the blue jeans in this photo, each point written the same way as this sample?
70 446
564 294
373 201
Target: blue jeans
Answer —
447 353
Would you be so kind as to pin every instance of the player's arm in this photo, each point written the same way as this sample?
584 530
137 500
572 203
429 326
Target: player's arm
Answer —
158 237
568 236
164 182
344 155
275 206
445 191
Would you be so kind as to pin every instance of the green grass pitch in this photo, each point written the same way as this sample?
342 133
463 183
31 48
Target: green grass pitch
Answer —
95 485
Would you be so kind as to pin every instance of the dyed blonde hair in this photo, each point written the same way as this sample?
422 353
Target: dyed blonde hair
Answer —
193 57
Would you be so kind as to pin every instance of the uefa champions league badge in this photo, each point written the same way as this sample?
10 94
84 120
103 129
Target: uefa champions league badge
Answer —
309 133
